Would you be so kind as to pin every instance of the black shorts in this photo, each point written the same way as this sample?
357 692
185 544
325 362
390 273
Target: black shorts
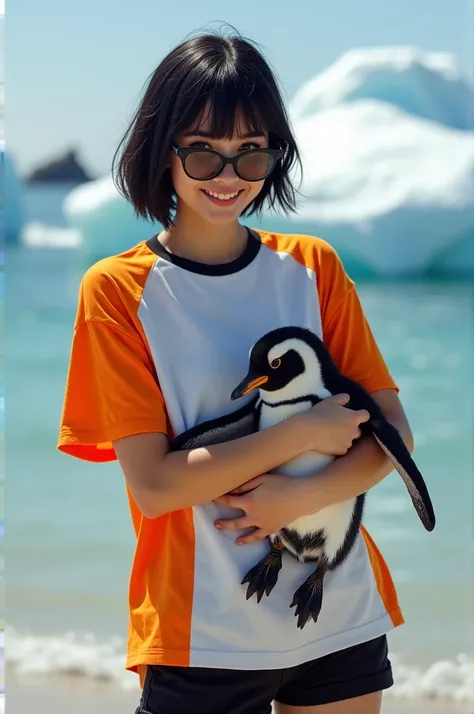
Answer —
351 672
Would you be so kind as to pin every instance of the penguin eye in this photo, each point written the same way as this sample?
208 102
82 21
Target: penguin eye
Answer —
275 363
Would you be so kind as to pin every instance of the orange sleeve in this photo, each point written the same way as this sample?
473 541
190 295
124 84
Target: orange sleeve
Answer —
346 331
111 387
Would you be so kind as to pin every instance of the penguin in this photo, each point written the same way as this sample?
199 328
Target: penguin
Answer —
291 370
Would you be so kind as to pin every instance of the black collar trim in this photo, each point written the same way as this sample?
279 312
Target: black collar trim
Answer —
250 252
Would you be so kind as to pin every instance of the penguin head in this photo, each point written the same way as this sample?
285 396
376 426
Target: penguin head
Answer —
285 364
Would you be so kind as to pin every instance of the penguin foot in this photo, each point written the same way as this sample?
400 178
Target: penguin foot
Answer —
308 599
263 577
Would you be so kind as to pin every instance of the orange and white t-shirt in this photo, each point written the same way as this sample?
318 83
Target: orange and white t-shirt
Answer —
159 344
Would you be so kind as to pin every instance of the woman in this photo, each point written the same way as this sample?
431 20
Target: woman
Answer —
162 337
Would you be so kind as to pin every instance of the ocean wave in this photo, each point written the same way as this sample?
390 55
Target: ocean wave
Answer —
41 235
70 654
451 679
74 654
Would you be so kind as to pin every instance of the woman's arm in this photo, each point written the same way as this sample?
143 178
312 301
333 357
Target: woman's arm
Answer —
278 500
163 481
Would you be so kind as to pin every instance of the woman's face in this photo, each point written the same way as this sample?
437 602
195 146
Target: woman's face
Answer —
221 199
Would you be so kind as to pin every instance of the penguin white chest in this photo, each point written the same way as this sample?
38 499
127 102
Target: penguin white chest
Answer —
307 463
333 521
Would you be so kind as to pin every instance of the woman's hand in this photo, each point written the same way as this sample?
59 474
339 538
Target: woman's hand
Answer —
332 427
270 502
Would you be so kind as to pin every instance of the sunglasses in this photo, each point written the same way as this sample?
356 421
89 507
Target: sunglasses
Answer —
205 164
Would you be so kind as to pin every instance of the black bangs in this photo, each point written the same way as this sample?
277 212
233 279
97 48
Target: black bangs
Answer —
216 106
219 84
220 113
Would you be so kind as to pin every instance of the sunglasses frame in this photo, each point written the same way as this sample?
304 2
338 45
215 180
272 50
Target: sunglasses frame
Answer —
182 154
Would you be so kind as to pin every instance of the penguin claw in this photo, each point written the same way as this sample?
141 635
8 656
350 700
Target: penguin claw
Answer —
263 577
308 599
307 606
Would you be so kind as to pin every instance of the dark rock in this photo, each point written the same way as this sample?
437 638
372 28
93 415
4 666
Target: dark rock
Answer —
65 168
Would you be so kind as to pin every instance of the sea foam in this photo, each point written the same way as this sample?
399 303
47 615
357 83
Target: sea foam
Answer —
85 655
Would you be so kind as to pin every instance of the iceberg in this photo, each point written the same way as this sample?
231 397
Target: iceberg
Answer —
391 188
104 219
12 209
388 158
387 142
425 84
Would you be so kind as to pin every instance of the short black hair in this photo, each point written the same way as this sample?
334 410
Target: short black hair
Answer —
228 72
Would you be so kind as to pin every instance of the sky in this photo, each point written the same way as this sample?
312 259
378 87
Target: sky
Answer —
75 70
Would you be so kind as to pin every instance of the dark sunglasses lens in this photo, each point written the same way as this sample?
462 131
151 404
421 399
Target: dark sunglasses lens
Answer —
202 164
256 165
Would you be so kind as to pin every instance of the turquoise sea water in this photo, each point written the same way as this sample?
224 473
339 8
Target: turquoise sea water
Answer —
69 539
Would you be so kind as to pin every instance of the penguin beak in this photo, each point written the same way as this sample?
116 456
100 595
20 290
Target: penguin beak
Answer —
248 384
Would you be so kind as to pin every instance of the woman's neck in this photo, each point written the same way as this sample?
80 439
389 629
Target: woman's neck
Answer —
203 242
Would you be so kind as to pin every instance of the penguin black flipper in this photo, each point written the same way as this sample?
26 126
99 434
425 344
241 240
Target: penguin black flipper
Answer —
240 423
394 447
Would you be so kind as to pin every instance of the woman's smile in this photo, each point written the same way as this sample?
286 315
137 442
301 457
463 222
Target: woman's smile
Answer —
219 198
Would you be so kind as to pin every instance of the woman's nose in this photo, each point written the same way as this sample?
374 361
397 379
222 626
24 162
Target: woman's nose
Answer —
227 174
